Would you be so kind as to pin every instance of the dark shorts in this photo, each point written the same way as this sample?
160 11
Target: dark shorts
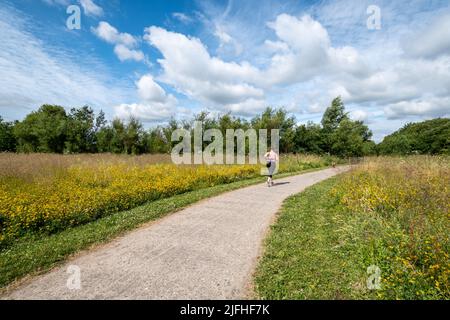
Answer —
272 167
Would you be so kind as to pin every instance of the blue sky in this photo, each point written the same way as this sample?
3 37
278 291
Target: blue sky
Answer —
160 59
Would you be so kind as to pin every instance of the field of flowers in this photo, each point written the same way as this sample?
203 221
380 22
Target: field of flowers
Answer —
49 193
401 210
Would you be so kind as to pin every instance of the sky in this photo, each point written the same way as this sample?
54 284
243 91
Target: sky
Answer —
154 60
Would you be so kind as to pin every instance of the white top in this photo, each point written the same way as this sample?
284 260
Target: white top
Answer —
271 156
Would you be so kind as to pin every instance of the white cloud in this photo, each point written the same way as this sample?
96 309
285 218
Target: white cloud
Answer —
150 91
248 107
301 52
144 112
359 115
434 107
305 52
155 104
123 53
190 69
57 2
108 33
275 46
89 6
91 9
431 42
223 36
225 41
124 43
182 17
33 74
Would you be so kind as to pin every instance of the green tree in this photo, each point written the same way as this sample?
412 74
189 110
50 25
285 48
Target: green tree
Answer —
156 141
350 138
331 120
277 119
308 138
334 115
118 137
43 130
7 138
80 137
133 135
428 137
104 138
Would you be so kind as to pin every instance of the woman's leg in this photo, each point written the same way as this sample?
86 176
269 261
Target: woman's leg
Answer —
271 171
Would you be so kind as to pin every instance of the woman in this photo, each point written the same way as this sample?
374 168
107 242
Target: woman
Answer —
271 158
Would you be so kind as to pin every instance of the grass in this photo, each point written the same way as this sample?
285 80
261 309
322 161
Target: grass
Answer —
37 253
392 213
304 258
51 193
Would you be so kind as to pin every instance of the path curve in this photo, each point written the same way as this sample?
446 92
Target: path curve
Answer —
206 251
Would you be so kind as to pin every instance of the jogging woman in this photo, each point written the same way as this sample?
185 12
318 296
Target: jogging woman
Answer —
272 159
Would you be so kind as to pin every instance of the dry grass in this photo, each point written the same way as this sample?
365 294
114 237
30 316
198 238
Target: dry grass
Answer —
36 165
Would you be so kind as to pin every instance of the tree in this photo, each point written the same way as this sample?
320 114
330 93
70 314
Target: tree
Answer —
348 139
133 137
308 138
331 119
334 115
428 137
156 141
80 131
7 138
342 136
104 137
43 130
277 119
118 137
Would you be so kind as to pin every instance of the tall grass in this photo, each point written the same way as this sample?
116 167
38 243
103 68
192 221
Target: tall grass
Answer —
400 209
49 193
35 165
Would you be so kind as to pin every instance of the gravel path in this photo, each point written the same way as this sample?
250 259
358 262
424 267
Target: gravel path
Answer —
206 251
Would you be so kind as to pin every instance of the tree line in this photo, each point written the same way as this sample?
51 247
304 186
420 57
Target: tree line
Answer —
53 130
428 137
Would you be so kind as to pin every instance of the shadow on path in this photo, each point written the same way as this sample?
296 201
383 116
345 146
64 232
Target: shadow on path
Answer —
280 183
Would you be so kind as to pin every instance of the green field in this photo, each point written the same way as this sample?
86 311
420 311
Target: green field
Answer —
392 213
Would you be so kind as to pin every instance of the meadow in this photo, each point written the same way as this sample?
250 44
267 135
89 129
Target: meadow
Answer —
392 213
47 193
403 206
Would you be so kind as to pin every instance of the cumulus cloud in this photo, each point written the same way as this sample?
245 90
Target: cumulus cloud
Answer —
305 51
188 67
108 33
124 43
123 53
301 52
91 9
155 104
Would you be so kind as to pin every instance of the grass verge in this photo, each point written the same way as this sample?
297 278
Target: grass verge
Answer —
305 257
39 253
